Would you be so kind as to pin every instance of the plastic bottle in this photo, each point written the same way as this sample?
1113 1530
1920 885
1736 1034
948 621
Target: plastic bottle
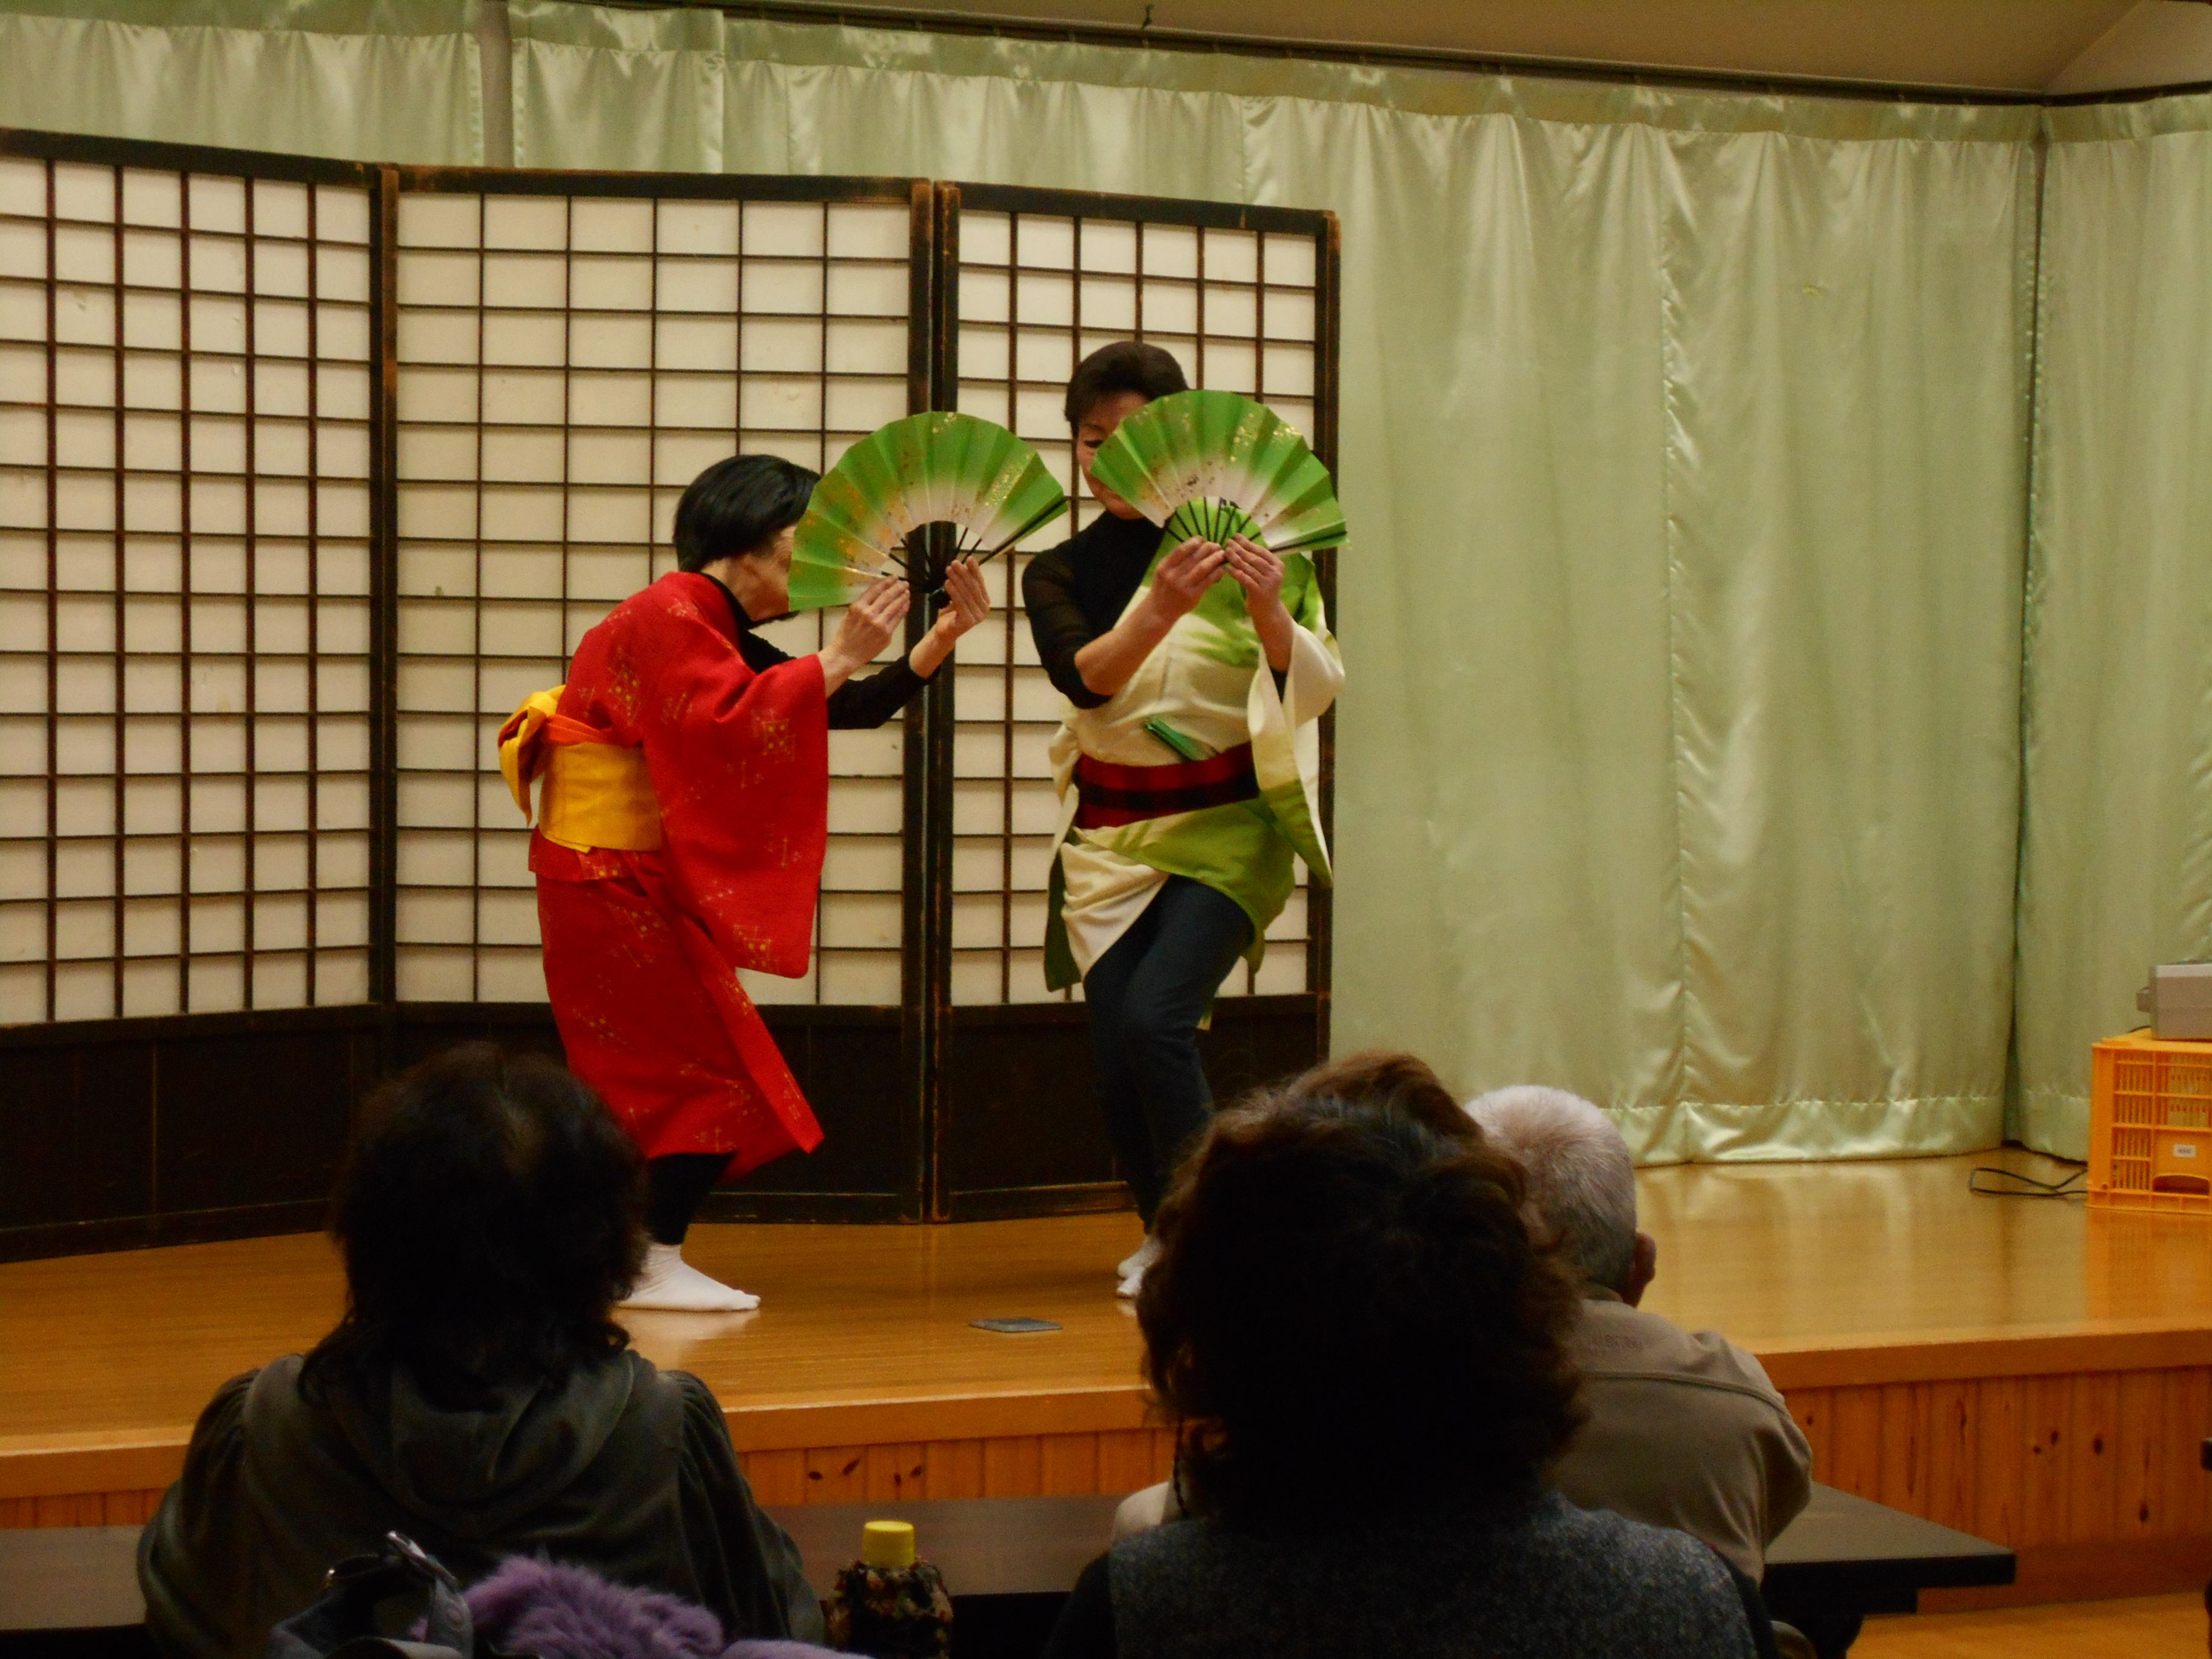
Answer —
887 1604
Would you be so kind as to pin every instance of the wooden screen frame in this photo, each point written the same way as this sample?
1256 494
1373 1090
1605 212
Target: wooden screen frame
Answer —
837 1051
998 1071
145 1130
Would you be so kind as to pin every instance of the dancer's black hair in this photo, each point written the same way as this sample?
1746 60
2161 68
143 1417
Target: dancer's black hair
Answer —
736 505
1125 366
488 1213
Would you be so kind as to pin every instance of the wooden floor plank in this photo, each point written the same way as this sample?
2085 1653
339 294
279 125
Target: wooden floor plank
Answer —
2158 1625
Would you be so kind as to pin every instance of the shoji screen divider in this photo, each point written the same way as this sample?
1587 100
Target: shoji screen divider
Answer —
310 472
189 522
571 350
1246 297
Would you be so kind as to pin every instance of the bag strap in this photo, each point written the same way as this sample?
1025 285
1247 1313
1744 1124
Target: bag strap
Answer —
344 1619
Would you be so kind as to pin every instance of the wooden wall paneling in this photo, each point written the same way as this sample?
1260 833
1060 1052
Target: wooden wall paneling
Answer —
87 1508
1855 1441
141 1123
2187 1422
77 1120
2142 1475
956 1468
1906 1434
2093 1467
1810 1409
1949 1488
897 1473
2046 1432
1067 1465
1132 1459
1013 1467
837 1474
776 1477
1026 1133
129 1508
1999 1450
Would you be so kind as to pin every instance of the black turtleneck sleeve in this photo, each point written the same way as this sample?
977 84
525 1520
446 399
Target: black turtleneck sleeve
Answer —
856 705
1079 591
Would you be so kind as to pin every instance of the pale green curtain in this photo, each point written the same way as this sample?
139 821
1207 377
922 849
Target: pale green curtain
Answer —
2117 843
366 80
1685 438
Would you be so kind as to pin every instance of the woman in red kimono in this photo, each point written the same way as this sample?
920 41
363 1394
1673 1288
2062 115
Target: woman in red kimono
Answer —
680 833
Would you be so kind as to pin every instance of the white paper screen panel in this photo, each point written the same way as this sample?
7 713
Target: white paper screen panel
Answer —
568 364
1038 292
184 581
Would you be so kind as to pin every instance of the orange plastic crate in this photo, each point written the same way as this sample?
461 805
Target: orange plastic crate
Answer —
2150 1124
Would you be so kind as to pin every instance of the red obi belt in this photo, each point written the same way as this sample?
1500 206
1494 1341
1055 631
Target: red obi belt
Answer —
1108 796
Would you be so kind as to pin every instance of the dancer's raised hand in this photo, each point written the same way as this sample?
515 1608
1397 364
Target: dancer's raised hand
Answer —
1180 578
869 623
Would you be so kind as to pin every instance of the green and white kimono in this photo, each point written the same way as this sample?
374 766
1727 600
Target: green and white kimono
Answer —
1176 734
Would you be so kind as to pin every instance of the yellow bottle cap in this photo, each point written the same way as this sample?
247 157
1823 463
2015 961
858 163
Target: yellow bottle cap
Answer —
887 1544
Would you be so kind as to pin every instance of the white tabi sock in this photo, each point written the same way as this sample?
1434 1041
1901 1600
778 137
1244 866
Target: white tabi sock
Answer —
1132 1283
670 1283
1139 1258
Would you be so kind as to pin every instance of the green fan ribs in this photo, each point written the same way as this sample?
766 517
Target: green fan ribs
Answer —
1215 465
936 468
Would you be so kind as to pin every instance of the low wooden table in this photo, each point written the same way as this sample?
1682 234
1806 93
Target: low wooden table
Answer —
1843 1559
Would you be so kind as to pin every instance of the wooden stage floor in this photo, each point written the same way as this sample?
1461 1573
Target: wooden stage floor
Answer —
2026 1369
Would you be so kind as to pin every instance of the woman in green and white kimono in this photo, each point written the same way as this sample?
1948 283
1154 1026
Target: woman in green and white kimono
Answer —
1188 776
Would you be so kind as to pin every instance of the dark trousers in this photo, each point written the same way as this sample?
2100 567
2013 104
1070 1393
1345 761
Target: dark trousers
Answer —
1147 995
677 1185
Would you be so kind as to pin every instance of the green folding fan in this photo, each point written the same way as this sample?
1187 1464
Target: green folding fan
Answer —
926 469
1215 465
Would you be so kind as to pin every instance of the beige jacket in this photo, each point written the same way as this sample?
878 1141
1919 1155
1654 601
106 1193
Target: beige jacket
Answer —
1685 1431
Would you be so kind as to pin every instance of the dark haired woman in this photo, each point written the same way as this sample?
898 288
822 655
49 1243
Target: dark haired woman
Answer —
1169 867
477 1395
1365 1350
680 837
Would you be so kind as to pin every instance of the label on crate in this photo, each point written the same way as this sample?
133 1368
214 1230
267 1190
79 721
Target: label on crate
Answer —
2184 1149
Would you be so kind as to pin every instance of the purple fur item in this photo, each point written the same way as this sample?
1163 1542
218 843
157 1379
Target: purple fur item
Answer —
556 1612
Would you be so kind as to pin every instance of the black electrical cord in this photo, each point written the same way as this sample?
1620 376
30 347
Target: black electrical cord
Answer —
2074 1186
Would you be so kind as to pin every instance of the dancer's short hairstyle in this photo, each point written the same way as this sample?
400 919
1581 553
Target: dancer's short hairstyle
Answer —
1581 1179
488 1214
735 506
1125 366
1348 1311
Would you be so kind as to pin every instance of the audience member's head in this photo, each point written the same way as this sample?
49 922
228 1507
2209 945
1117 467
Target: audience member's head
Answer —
1348 1309
1581 1182
489 1216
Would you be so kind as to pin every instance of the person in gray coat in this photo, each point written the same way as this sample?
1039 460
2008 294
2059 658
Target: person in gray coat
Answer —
1366 1347
477 1395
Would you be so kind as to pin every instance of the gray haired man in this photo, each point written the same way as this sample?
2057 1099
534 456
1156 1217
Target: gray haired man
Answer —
1685 1431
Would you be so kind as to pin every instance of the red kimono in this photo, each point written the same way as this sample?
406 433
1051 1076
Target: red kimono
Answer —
643 949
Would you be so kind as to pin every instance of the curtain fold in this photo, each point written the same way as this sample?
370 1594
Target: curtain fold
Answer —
362 80
1846 465
2116 826
639 91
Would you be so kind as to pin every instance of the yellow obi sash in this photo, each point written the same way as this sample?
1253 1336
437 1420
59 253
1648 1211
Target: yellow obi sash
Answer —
597 794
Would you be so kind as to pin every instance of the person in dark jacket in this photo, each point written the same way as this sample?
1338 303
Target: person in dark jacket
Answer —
1367 1350
477 1395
